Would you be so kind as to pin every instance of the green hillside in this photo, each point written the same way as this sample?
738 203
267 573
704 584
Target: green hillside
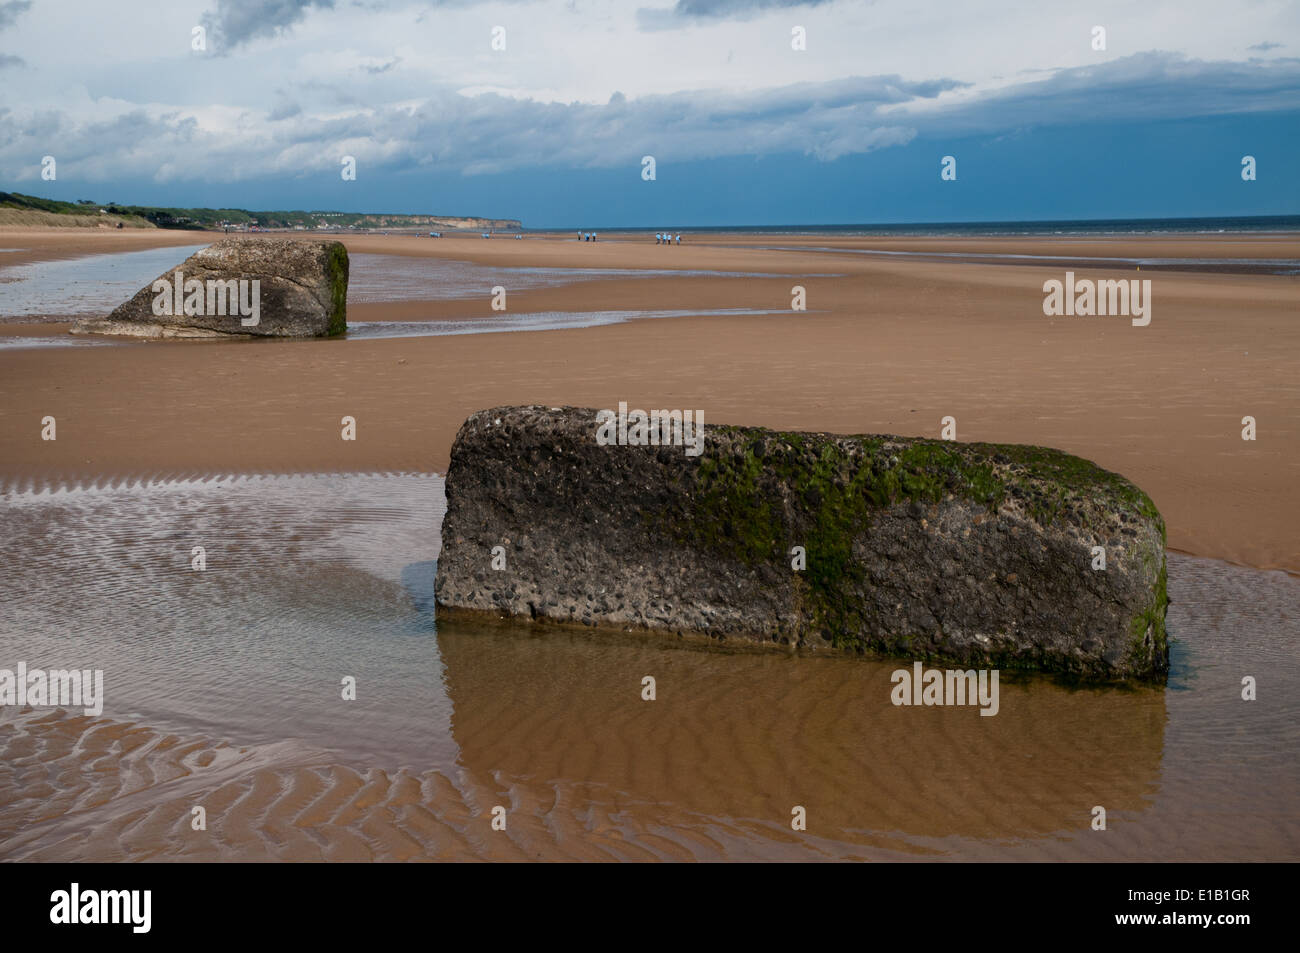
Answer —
215 218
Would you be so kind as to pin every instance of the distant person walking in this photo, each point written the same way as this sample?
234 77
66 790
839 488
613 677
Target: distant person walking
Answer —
679 238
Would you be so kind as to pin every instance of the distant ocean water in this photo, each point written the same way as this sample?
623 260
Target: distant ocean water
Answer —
1107 226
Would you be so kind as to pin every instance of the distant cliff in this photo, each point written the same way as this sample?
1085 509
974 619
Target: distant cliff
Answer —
479 224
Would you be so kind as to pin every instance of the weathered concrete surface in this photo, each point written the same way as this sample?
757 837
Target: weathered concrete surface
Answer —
302 292
974 553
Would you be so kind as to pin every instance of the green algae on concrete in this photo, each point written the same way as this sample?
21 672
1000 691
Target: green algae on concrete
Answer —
336 267
973 553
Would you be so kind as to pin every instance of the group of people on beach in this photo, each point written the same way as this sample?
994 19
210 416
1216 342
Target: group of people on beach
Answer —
661 238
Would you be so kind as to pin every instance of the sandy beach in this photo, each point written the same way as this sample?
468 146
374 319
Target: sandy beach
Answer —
886 346
224 683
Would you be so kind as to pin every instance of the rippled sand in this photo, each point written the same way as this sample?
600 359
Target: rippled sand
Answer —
223 692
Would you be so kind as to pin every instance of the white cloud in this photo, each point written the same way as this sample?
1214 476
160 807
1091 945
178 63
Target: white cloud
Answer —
415 83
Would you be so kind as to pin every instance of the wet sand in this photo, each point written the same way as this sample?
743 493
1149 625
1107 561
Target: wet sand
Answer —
21 246
221 691
889 347
552 725
553 729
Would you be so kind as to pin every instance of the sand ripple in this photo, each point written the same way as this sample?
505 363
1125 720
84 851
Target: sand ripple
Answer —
222 692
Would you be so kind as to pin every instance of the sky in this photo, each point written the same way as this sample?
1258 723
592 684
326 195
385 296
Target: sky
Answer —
544 110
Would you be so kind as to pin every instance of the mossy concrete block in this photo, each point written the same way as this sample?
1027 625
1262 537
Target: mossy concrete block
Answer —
979 554
302 291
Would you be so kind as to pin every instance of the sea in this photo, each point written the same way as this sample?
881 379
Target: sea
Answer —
1263 224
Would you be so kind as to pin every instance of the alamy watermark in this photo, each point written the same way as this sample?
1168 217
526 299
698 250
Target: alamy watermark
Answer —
56 688
178 295
129 907
1128 297
658 428
922 686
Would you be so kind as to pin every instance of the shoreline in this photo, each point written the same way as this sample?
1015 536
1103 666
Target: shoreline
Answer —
47 244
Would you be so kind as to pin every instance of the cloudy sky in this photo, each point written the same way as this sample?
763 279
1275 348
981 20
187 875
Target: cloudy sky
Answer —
744 128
